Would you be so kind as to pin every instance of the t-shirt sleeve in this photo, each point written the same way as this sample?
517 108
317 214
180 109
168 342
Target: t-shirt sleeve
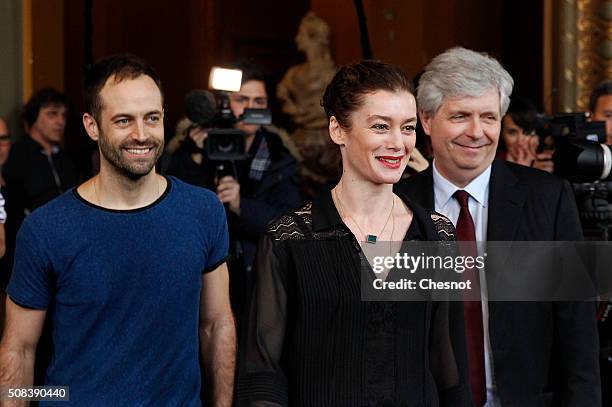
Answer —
218 237
31 283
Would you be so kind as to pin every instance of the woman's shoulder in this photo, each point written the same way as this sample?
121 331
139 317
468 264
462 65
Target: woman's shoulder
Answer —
293 225
443 226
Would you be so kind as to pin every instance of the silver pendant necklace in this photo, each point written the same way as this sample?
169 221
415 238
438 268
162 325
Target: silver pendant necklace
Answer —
369 238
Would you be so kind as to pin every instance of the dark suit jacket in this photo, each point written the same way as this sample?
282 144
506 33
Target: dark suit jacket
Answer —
544 353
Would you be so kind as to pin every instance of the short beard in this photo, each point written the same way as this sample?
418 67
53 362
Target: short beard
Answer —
115 159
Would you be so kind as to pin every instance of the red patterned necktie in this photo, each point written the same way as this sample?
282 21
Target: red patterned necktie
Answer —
472 309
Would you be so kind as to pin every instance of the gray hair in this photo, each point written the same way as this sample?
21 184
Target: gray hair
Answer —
460 72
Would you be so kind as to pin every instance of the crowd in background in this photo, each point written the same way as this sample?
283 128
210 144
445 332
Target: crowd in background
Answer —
254 191
37 169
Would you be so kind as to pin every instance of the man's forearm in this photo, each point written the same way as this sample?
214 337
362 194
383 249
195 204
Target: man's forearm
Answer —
218 344
16 370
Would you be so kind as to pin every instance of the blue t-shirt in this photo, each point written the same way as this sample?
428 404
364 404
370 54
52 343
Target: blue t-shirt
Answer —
123 289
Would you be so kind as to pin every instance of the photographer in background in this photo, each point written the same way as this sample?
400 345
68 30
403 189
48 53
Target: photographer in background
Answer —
600 106
520 143
185 154
263 186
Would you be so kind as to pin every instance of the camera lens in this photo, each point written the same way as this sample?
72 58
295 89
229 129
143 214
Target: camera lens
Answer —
226 144
583 161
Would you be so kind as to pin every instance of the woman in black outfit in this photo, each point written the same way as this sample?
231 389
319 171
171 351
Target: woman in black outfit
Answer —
311 340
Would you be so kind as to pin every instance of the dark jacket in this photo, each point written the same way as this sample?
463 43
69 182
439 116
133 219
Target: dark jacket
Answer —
260 201
30 177
275 194
543 353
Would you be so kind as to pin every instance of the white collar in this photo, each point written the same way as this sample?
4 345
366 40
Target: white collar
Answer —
478 188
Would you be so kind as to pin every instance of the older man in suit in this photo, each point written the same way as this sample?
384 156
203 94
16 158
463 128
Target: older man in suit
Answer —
520 354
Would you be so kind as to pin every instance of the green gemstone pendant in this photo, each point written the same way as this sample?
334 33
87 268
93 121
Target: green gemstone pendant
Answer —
371 239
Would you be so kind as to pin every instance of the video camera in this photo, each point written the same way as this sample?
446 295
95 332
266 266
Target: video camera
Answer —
582 157
581 154
213 112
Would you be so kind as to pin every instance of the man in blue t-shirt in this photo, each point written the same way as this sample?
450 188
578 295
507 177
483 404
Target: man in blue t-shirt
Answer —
130 266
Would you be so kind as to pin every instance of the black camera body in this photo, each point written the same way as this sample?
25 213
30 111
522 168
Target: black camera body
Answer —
580 153
224 141
582 157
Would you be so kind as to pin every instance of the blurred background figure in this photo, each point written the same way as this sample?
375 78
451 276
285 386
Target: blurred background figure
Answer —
37 169
520 142
185 154
600 106
2 251
255 190
5 146
300 91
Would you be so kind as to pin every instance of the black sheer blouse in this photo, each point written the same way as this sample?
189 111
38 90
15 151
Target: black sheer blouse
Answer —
309 340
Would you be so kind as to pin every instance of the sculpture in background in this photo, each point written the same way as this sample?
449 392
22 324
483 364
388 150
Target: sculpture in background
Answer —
300 92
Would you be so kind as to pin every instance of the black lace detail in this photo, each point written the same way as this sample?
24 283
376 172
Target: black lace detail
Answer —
298 225
287 228
444 227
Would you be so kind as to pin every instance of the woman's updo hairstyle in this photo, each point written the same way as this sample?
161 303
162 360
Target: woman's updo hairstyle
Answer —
346 91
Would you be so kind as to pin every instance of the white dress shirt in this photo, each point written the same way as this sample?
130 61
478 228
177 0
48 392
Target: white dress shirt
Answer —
478 203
